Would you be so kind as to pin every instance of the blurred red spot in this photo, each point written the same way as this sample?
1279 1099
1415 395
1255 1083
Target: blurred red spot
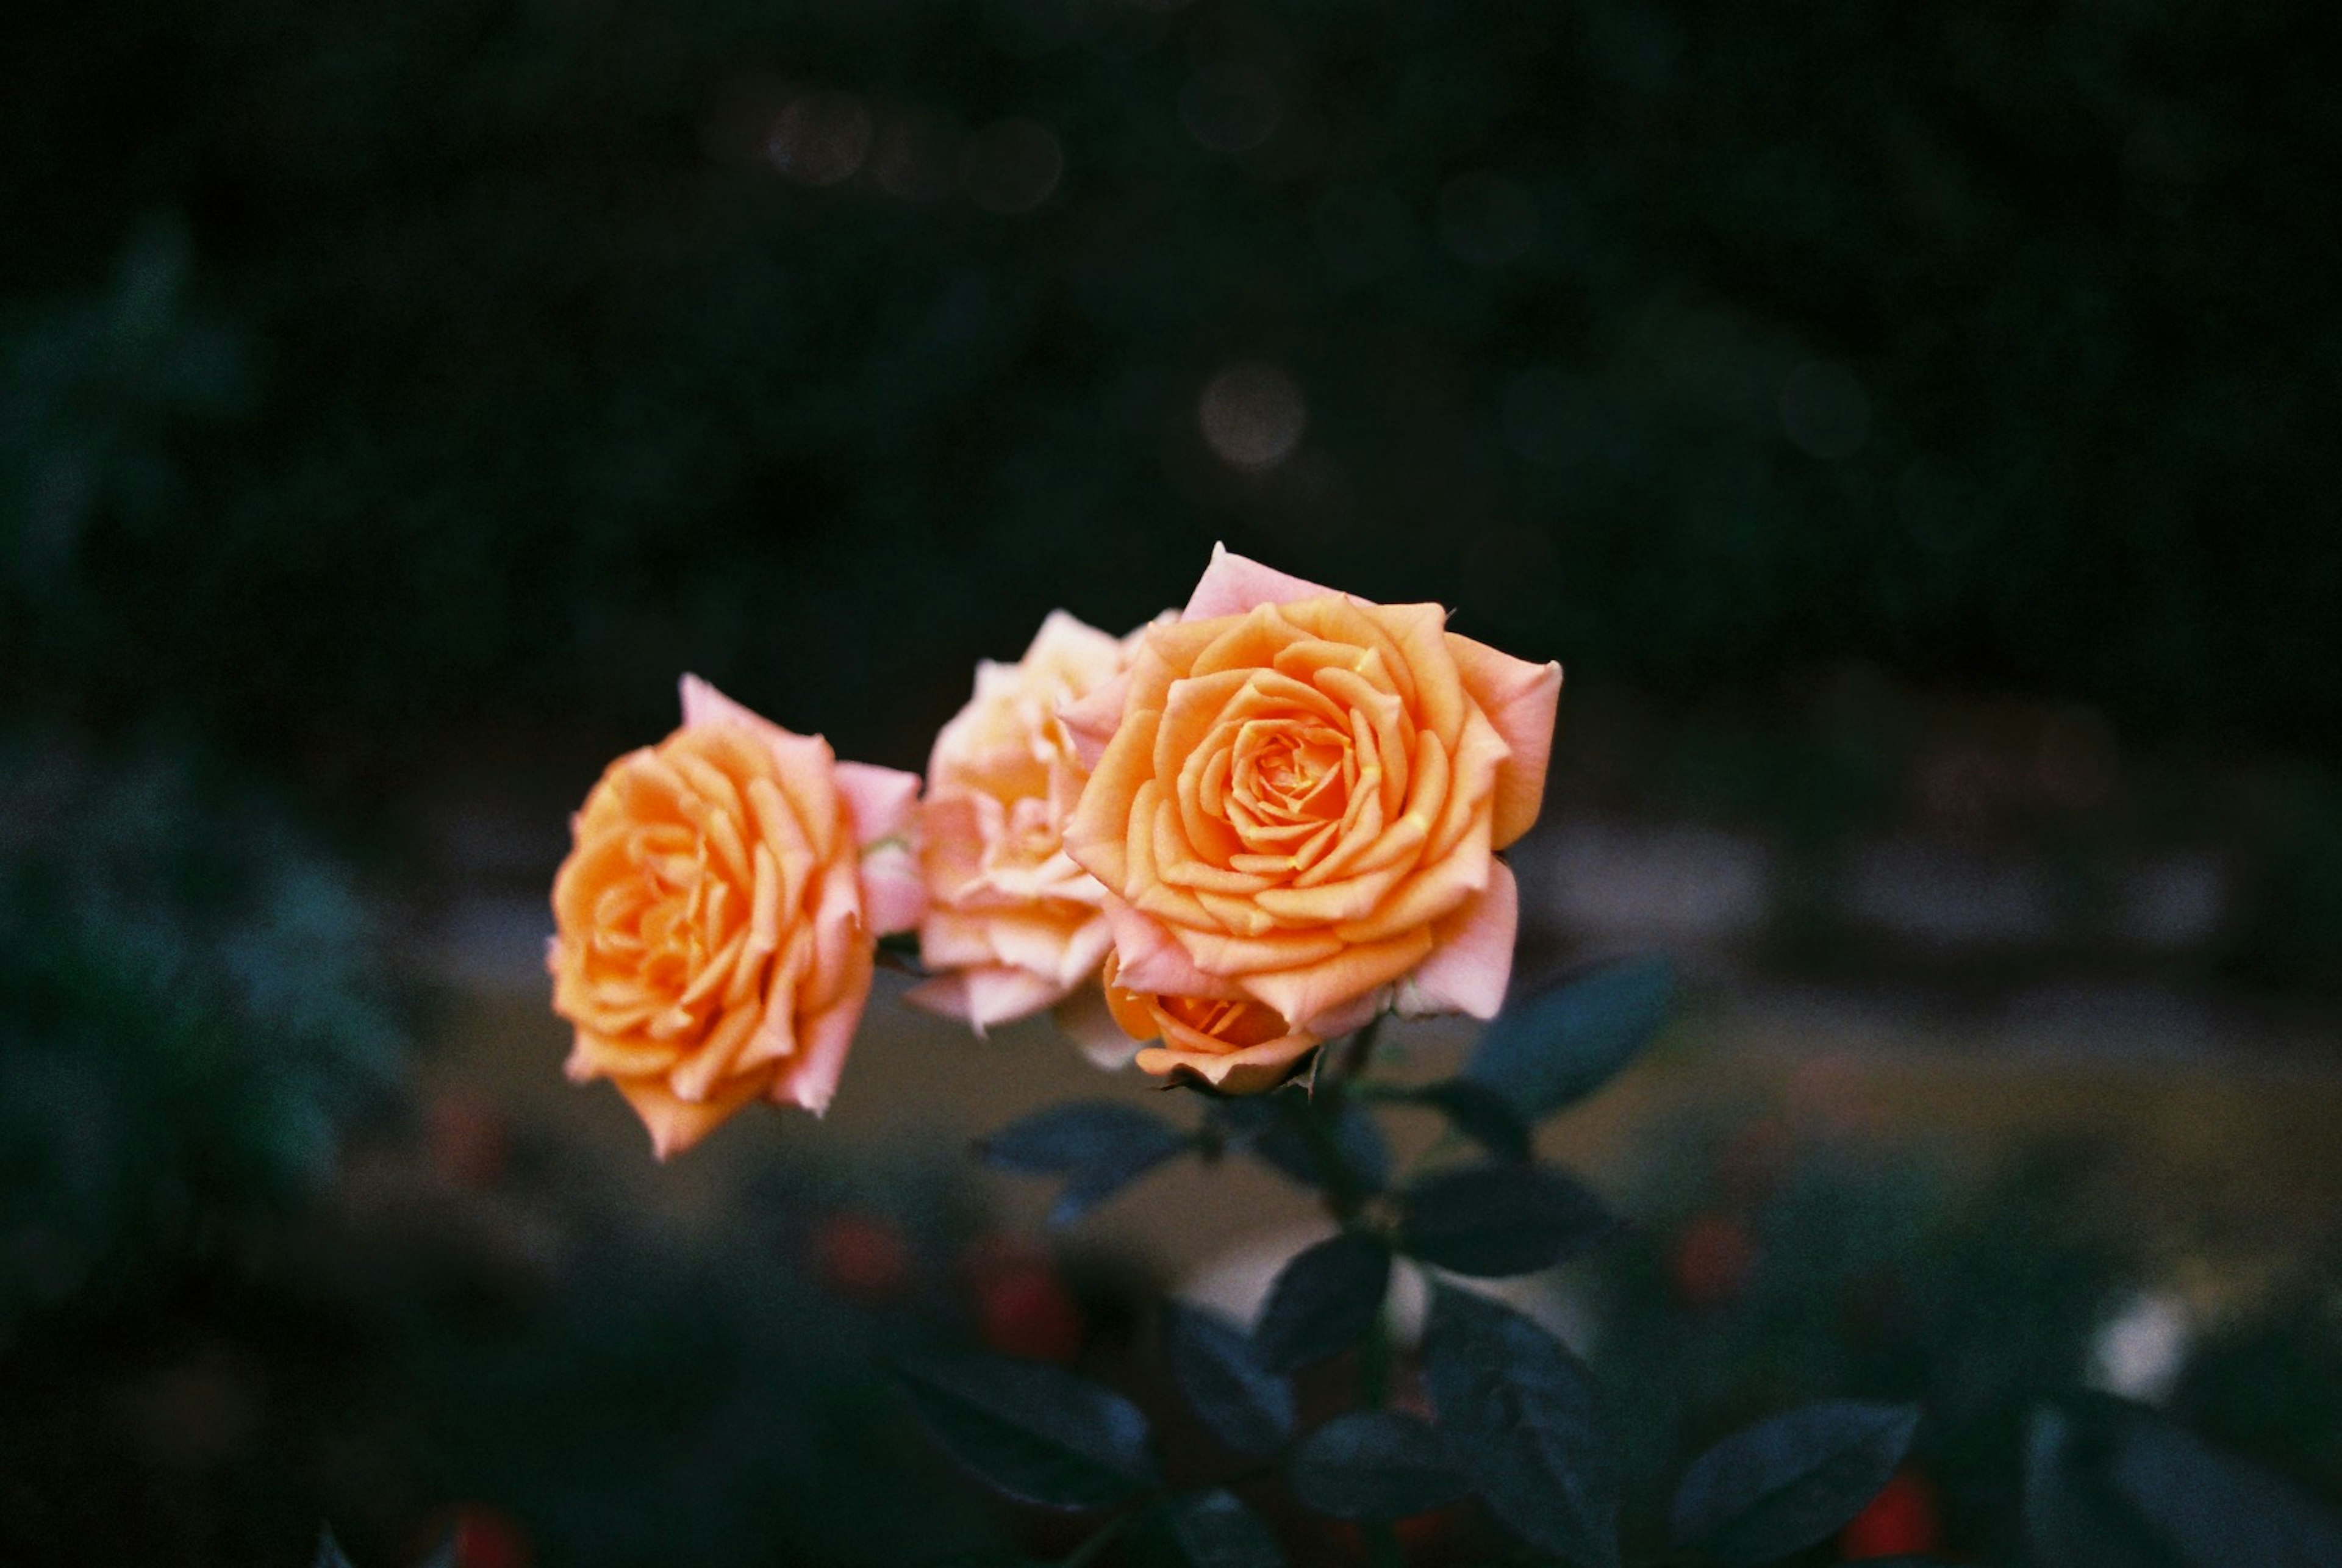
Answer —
861 1257
1022 1309
486 1537
1902 1521
1713 1257
465 1137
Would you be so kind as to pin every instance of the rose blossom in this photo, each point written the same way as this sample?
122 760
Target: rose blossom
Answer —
717 916
1295 799
1239 1044
1013 924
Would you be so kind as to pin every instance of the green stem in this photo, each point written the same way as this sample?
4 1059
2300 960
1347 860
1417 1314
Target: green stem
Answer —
1360 1054
1374 1393
1087 1552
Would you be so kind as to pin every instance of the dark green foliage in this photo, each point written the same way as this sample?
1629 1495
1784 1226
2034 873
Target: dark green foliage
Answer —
1789 1481
1521 1418
1373 1464
1678 339
1548 1051
1324 1298
1269 1127
1098 1146
1214 1529
192 1007
1245 1405
2113 1483
1036 1432
1479 1112
1493 1221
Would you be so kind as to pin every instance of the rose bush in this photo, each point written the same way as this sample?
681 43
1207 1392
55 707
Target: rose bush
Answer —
1294 800
1013 924
717 918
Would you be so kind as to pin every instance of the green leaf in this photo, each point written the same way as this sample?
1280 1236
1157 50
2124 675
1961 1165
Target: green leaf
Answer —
1247 1406
1480 1113
329 1551
1267 1127
1555 1048
1098 1145
1080 1133
2073 1516
1785 1483
1036 1432
1493 1221
2106 1471
1214 1530
1375 1465
1519 1416
1325 1299
1090 1185
2218 1510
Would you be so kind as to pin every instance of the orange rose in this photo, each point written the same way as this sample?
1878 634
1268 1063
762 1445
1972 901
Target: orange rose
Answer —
1295 799
1238 1045
1013 924
717 919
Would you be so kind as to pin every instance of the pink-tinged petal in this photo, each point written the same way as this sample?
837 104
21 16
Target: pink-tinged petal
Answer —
982 998
1473 958
1307 992
1358 1014
1090 722
1519 699
893 893
1084 1018
945 995
675 1124
1147 957
800 756
823 1041
1002 995
881 800
704 705
1233 584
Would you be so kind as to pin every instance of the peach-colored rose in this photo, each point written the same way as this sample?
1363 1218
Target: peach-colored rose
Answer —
1238 1045
717 919
1013 924
1297 796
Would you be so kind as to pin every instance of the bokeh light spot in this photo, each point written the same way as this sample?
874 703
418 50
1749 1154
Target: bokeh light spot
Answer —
821 138
1251 415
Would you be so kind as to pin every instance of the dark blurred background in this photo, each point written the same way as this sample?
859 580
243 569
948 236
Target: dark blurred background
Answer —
1913 429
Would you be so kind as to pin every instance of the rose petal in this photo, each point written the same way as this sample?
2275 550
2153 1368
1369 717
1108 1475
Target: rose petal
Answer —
1303 995
1473 958
676 1124
894 894
1519 699
881 799
1250 1071
1151 959
824 1040
1084 1018
1090 722
1232 584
